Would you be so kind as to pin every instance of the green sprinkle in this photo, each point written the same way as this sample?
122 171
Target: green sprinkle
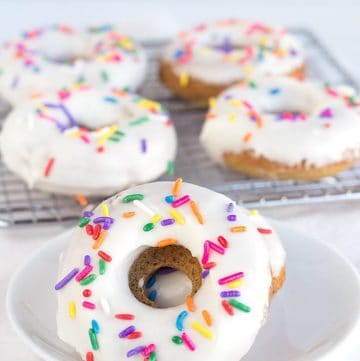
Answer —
240 306
114 139
177 340
102 266
152 356
104 76
252 84
88 279
133 197
139 121
119 132
327 84
148 227
84 221
170 169
93 340
352 100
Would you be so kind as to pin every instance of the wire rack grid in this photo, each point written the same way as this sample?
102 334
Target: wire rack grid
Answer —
20 205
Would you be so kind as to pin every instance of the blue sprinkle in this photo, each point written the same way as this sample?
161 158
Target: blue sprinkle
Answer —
95 326
151 281
110 99
169 199
152 295
179 53
274 91
180 320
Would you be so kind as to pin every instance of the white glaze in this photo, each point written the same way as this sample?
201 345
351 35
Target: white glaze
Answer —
31 65
248 251
214 66
318 140
29 140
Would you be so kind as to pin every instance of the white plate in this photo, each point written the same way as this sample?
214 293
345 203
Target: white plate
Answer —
316 311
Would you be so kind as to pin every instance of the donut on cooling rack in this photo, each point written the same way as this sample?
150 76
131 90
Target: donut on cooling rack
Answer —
49 58
281 128
202 62
88 141
232 257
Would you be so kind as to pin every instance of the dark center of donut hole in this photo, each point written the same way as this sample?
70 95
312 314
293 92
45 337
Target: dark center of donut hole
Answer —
162 277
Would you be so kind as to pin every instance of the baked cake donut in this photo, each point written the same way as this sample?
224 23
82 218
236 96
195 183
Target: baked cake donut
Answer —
281 128
46 59
88 141
232 257
202 62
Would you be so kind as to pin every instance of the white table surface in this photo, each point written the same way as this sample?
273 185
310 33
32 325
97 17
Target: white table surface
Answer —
337 24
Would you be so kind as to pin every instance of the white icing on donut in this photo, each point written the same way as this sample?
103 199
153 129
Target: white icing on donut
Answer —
51 58
248 251
99 143
284 120
228 51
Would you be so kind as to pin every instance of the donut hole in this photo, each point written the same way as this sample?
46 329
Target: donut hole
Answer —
177 274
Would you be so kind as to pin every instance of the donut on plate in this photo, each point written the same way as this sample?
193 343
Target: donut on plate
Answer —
49 58
205 60
88 141
281 128
232 258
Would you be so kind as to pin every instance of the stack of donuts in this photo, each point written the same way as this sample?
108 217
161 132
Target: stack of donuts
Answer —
168 270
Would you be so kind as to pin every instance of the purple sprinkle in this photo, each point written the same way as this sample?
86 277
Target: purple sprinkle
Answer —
226 294
326 113
230 207
293 52
107 225
231 217
66 279
135 351
127 331
68 115
87 260
51 105
205 274
88 214
165 270
143 145
15 82
103 219
167 221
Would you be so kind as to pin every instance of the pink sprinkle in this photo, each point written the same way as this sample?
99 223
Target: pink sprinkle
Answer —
230 278
85 271
180 201
188 342
85 139
326 113
332 92
89 305
247 104
148 350
206 255
216 248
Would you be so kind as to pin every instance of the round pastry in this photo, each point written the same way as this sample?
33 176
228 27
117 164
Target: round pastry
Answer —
202 62
282 128
232 258
47 59
88 141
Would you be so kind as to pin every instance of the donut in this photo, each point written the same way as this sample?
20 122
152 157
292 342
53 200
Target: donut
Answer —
88 141
202 62
46 59
232 258
281 128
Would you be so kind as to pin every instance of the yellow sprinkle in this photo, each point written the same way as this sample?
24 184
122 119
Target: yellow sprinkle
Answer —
74 133
104 210
156 218
202 330
253 212
238 229
184 79
232 117
236 103
248 69
149 104
212 103
236 284
72 310
205 50
177 216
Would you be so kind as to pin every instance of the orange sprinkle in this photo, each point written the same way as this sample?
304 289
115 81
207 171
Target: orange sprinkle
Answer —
190 303
176 187
207 317
196 211
238 229
259 121
166 242
36 95
210 116
82 200
128 214
247 137
97 244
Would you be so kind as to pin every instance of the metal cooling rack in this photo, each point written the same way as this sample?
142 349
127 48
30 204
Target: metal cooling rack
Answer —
19 205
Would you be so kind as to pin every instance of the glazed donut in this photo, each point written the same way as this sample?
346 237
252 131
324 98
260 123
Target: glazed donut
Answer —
202 62
88 141
278 127
47 59
224 250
